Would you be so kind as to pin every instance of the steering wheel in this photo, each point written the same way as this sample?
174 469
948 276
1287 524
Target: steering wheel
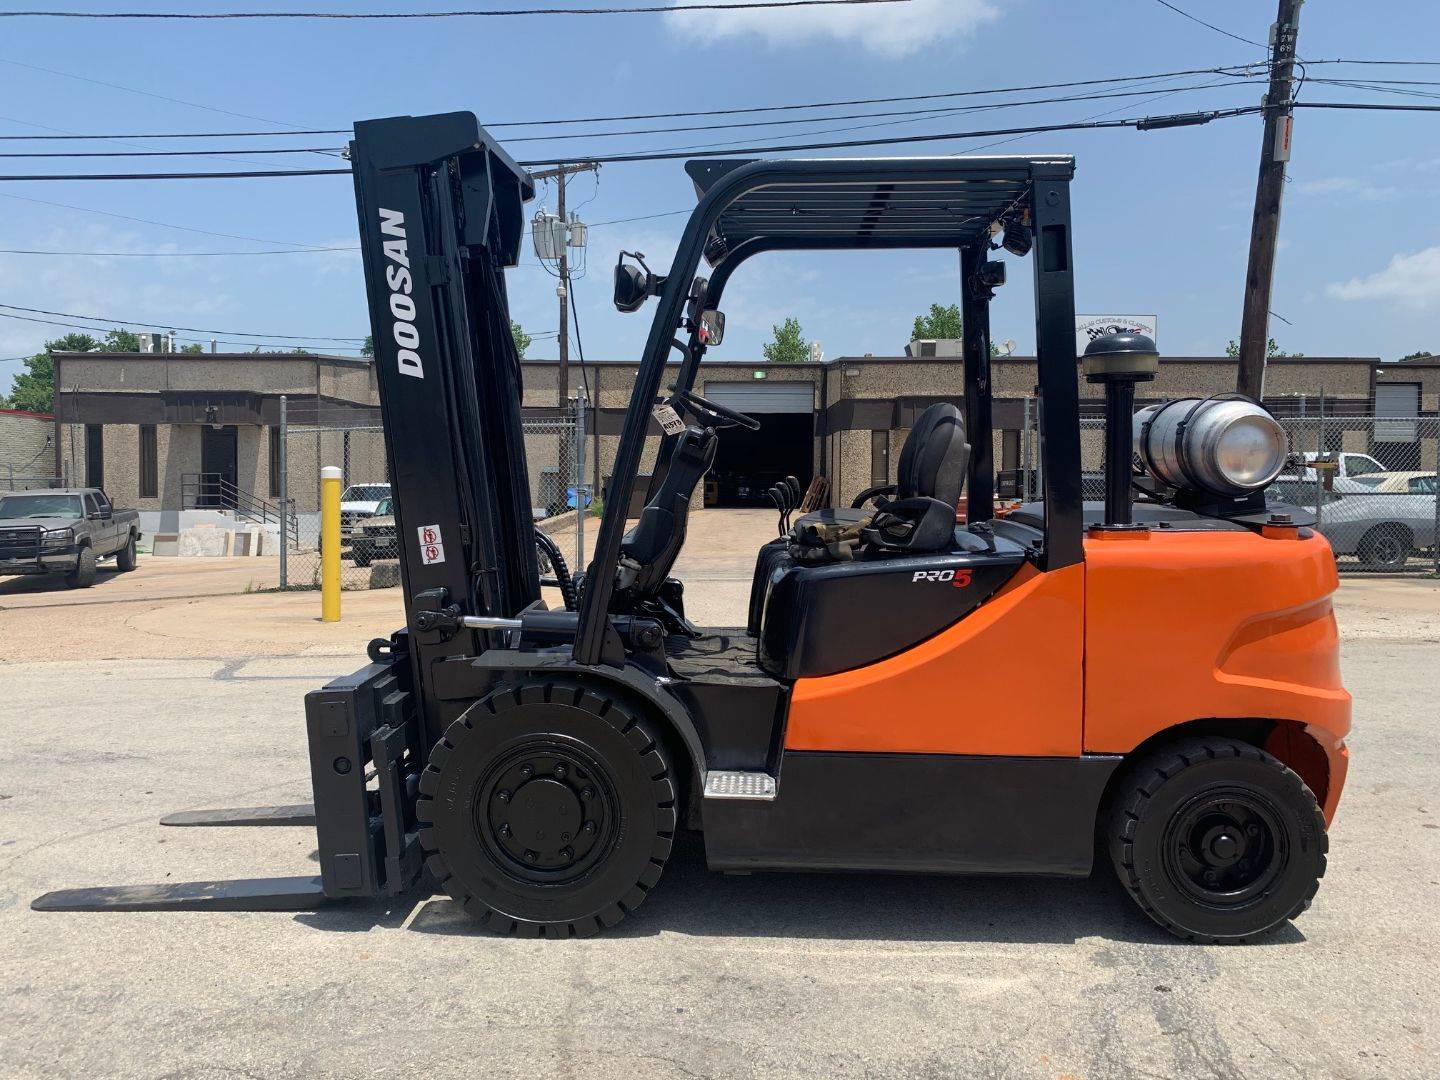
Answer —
704 409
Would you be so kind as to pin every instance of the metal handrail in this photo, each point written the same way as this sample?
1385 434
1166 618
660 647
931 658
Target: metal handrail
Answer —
211 491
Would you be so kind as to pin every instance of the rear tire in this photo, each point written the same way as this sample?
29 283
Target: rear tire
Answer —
1217 841
547 809
361 552
1386 547
125 557
83 576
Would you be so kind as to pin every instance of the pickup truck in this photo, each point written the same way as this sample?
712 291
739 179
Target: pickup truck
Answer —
65 532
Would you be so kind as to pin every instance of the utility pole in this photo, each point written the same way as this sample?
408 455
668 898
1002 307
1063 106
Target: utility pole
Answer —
559 174
1265 225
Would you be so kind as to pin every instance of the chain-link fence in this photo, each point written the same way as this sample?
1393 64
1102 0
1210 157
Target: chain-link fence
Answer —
313 435
1373 495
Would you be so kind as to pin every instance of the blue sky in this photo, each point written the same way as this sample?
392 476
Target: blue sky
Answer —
1162 218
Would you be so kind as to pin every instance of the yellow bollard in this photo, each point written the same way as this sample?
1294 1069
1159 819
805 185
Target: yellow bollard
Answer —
329 544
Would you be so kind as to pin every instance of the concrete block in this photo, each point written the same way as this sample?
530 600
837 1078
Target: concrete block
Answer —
385 574
203 540
165 544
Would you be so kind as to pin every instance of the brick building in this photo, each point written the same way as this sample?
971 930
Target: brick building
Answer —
140 424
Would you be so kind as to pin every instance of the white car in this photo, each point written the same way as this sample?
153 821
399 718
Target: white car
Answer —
358 502
1353 471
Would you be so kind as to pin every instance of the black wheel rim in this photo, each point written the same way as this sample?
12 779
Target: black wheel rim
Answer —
1225 848
546 812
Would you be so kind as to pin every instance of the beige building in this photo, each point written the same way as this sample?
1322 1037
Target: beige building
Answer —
27 449
149 427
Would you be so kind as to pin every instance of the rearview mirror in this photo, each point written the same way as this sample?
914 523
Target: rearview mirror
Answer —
633 283
712 327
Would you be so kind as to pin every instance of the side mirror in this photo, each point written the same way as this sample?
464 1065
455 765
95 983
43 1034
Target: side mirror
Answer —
633 283
712 327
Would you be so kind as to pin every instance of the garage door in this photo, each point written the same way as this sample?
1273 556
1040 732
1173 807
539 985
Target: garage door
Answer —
762 397
1394 402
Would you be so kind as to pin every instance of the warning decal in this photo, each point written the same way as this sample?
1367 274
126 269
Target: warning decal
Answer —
432 547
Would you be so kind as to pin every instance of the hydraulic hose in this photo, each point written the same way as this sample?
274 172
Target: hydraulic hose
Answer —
562 571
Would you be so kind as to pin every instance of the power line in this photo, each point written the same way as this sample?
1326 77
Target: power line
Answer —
182 134
1239 70
919 114
133 90
202 341
1144 123
331 150
167 326
662 9
1210 26
912 114
160 224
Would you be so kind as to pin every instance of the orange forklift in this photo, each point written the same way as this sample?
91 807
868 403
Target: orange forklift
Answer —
1154 676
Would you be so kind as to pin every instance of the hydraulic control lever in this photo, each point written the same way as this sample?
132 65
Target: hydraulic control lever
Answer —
780 496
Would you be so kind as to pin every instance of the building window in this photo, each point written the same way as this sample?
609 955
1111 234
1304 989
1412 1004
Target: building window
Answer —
94 455
879 458
274 462
149 463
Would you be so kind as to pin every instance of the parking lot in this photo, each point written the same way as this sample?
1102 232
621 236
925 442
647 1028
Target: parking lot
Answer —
175 688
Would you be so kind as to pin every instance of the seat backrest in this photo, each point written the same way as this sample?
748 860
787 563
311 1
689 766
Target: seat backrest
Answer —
655 541
935 456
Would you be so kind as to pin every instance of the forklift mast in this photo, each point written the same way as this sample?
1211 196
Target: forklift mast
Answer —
441 215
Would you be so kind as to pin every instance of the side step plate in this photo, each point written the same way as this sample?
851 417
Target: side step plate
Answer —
757 786
295 814
243 894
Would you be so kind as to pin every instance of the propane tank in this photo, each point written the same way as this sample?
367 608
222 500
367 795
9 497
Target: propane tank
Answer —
1228 446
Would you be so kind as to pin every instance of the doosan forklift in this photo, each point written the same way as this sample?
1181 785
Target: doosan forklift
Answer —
1006 690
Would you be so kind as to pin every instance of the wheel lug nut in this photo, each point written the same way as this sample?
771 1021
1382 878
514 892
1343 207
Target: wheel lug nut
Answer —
560 771
504 830
567 853
531 856
503 796
565 836
589 826
1210 876
1252 830
587 794
526 771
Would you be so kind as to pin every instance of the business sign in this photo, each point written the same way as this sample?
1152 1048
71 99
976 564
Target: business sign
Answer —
1089 327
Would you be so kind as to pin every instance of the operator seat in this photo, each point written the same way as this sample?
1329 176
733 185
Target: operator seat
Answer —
649 550
933 464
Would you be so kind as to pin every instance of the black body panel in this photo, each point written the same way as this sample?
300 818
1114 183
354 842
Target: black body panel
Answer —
917 813
822 619
738 710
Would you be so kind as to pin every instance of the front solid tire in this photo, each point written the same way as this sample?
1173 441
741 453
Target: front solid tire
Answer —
547 809
1217 841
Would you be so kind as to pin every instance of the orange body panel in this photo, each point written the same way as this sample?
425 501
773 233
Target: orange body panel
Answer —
1190 626
1015 662
1186 626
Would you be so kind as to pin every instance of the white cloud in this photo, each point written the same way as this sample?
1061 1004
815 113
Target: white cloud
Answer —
1347 187
1409 281
887 29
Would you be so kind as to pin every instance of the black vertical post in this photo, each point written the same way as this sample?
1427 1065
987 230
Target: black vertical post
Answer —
975 346
1055 358
1119 435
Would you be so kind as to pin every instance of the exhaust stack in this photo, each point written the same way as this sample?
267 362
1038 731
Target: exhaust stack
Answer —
1119 361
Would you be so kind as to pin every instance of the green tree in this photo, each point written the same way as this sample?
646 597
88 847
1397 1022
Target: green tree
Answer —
120 341
368 349
789 346
941 324
192 348
1423 354
522 339
34 388
1271 350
